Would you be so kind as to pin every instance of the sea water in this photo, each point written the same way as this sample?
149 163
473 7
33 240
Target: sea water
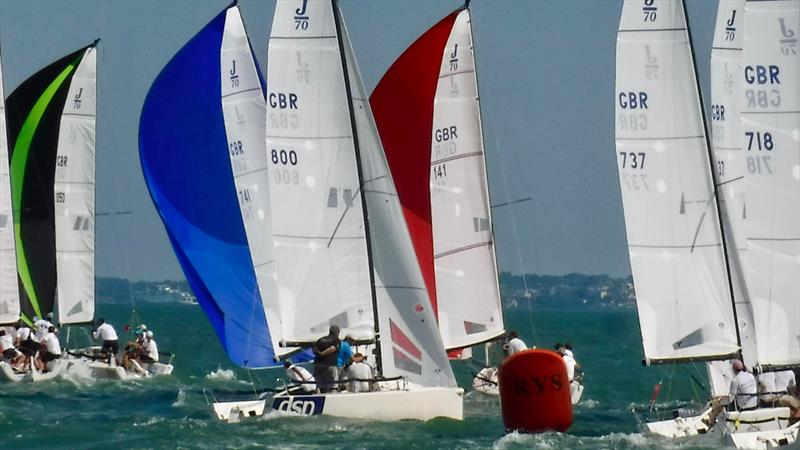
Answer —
171 412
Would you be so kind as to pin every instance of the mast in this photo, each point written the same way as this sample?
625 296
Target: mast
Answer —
485 165
713 177
368 238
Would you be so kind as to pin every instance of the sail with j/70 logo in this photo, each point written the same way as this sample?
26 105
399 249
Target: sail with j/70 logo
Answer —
428 114
769 104
35 113
74 190
9 287
343 251
674 232
726 65
200 133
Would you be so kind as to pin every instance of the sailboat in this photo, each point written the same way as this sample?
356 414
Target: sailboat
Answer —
635 111
769 138
75 254
343 251
36 112
210 189
679 255
428 102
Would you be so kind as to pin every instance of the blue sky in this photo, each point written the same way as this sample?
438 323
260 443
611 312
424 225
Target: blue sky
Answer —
546 77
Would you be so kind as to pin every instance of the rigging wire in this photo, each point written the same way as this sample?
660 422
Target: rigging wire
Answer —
509 202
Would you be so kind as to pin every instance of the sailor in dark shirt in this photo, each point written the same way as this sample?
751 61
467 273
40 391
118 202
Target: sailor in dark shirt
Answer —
326 350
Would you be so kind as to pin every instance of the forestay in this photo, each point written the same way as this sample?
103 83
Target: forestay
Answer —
317 215
9 287
184 147
410 342
770 110
74 191
729 160
467 289
673 229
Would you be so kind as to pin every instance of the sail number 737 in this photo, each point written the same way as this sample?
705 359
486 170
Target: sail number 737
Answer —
632 160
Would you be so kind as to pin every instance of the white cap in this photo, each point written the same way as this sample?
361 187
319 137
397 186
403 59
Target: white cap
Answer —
149 334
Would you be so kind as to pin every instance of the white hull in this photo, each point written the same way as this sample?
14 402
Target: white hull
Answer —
419 403
759 429
784 439
678 427
8 374
103 370
486 382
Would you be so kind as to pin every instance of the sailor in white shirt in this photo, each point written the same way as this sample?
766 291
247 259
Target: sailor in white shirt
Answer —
150 349
514 344
569 361
743 392
40 327
767 392
359 372
786 385
107 333
302 375
51 350
7 346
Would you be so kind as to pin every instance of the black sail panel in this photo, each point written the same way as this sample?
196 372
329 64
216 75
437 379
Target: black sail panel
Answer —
33 114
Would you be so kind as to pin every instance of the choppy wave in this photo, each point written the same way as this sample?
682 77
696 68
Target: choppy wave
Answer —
222 374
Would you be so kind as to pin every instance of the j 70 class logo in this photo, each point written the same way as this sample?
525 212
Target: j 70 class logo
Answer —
307 406
76 102
730 28
454 59
234 76
650 11
788 41
301 16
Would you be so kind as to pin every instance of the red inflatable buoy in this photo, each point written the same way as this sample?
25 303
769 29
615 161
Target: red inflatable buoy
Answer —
534 392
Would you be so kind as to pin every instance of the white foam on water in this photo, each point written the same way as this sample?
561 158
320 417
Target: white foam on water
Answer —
589 403
181 400
221 374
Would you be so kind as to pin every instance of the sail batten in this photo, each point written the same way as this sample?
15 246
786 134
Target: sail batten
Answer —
673 229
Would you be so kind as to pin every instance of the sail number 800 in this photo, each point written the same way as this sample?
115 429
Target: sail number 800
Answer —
284 157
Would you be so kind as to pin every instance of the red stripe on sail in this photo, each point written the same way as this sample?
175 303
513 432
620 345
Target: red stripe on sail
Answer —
401 340
402 105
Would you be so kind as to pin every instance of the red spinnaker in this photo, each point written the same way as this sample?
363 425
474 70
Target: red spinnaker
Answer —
402 104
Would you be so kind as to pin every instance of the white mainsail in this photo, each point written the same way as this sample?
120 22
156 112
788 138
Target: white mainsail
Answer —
74 196
467 289
318 225
245 110
729 160
673 229
770 133
9 286
319 221
411 345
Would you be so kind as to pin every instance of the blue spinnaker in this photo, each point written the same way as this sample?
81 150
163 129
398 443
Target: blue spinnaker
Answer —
183 150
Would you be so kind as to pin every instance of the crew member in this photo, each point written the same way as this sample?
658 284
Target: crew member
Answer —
301 375
743 393
326 351
360 374
107 333
513 343
50 350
